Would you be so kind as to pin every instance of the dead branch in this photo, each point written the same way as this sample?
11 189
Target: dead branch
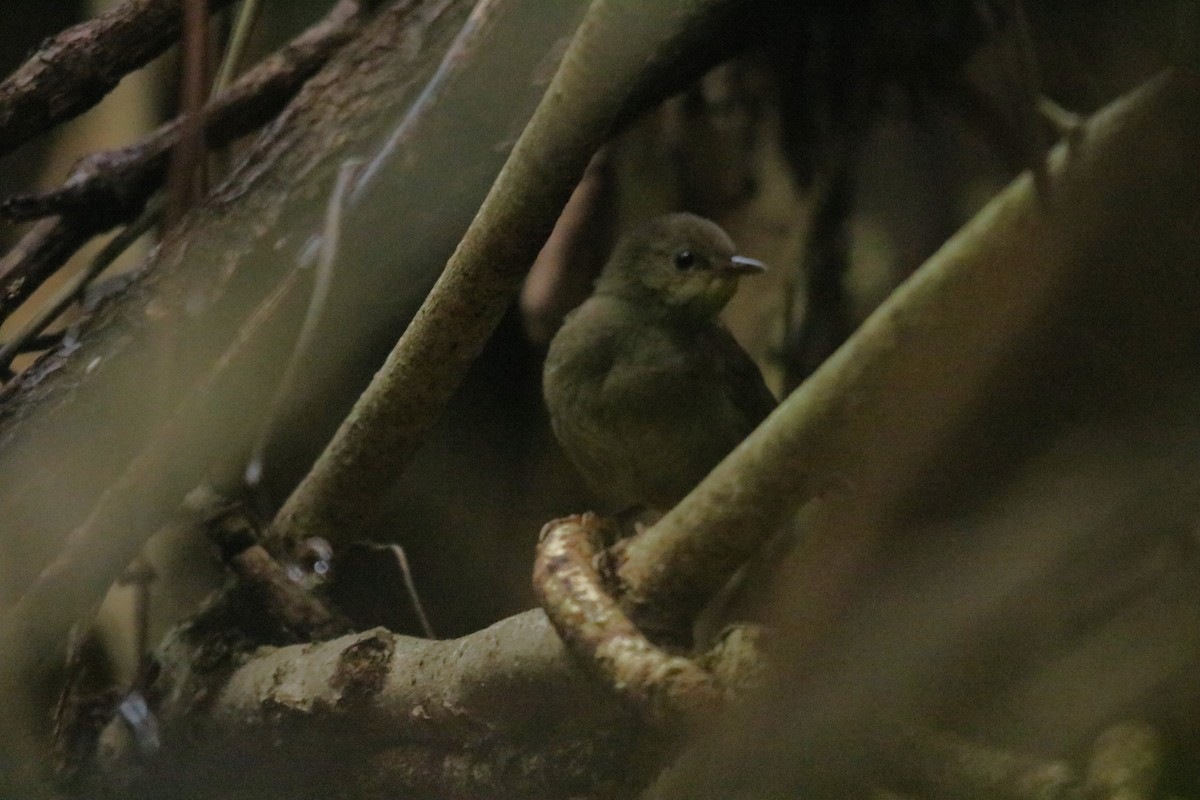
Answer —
295 613
106 189
72 71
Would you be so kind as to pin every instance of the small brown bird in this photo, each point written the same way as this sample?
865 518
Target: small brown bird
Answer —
647 391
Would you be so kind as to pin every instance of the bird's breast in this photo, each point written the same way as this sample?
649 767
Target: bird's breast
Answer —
638 409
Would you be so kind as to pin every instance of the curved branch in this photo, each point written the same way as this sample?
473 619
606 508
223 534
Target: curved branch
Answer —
667 688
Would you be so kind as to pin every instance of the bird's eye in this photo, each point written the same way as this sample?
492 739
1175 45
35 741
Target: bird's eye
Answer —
685 259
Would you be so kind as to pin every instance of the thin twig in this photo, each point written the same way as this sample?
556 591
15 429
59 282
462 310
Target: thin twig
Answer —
322 281
410 586
187 176
39 254
75 286
72 71
243 26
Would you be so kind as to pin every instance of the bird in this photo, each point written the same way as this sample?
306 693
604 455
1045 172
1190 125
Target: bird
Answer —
646 390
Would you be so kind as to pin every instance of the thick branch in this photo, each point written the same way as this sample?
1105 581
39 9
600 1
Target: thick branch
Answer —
404 716
72 71
864 425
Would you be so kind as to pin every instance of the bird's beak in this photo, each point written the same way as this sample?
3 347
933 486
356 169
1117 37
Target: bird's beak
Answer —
740 265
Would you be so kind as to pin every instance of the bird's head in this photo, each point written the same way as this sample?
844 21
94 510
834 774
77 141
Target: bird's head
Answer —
680 263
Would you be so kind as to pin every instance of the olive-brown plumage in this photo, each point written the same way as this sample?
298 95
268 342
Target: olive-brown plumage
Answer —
646 390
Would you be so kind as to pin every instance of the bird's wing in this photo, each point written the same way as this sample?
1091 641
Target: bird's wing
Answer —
742 379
